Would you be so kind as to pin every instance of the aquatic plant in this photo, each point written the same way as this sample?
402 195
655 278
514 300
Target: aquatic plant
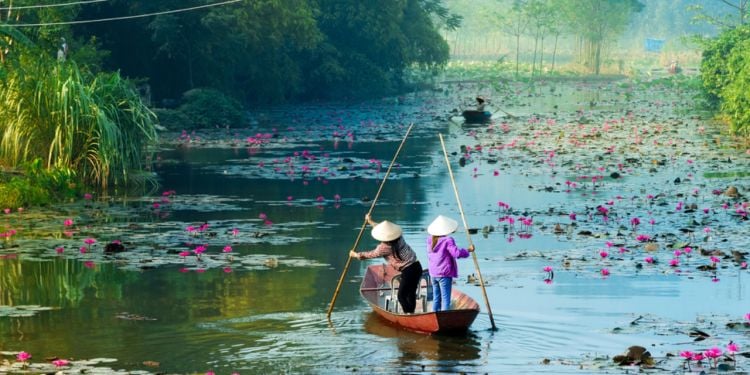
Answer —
23 357
72 120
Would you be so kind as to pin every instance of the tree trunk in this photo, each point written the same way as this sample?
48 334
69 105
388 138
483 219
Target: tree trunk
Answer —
536 47
518 49
597 58
541 56
554 53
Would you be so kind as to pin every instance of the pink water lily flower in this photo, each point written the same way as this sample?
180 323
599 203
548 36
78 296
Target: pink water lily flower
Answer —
732 348
714 352
23 357
605 272
60 362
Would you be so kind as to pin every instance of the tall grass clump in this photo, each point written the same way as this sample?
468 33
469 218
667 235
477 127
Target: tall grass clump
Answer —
95 125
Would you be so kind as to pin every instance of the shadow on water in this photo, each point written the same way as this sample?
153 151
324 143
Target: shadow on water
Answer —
446 350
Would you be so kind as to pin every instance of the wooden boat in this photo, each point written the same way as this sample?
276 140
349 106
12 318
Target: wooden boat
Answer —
379 288
474 116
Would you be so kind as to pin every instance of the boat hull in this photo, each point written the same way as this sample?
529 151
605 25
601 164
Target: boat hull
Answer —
473 116
376 290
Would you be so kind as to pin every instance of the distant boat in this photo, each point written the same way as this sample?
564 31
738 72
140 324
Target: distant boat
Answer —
377 290
474 116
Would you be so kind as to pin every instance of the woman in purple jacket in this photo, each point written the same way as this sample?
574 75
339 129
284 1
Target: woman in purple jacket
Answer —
441 257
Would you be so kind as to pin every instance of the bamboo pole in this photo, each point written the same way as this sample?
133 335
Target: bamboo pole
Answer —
364 225
468 236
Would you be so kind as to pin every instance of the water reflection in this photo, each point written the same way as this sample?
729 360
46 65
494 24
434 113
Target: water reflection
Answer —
432 353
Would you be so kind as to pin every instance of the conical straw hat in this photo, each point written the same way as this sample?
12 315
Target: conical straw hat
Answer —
442 226
386 231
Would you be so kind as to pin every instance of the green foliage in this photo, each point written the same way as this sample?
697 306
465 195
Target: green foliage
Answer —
725 74
73 120
369 46
38 186
172 119
735 95
206 108
715 71
263 51
19 192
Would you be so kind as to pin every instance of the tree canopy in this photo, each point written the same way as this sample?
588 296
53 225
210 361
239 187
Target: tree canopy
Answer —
272 50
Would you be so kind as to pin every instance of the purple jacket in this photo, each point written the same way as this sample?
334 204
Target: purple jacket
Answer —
442 259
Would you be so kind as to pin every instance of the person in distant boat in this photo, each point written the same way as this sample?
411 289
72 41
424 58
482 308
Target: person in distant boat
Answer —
441 255
399 255
480 104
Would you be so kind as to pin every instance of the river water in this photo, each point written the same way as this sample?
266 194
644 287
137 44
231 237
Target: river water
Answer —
288 195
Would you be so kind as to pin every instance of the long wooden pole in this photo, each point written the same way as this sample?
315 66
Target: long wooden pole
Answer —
364 225
468 236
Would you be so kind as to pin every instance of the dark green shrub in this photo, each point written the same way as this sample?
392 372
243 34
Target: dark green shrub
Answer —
22 192
209 108
714 69
172 119
735 95
38 186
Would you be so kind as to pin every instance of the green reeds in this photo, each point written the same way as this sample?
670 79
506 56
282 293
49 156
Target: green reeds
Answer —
72 120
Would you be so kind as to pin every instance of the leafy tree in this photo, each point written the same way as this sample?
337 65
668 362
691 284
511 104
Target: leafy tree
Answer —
367 46
737 14
274 50
515 22
542 21
598 23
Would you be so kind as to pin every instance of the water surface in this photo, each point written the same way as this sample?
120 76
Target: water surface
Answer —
298 197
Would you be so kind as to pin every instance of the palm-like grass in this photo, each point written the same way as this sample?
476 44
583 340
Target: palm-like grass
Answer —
94 125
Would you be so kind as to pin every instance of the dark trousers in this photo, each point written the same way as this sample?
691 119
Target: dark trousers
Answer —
407 290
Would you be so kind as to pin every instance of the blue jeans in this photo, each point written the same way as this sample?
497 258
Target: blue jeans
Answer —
441 293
